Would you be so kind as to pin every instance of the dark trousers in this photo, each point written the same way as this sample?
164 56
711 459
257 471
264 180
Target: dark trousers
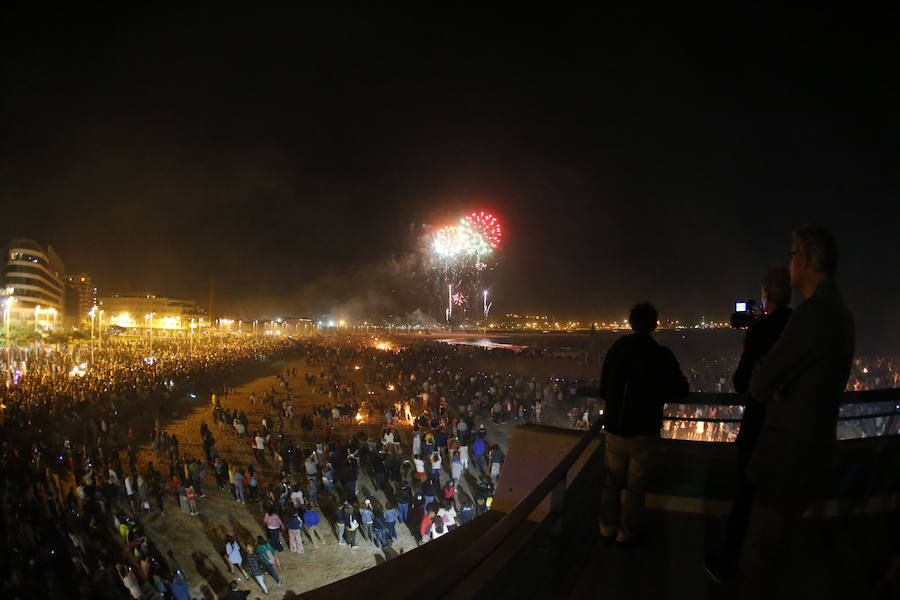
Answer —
380 538
767 544
272 572
275 539
739 517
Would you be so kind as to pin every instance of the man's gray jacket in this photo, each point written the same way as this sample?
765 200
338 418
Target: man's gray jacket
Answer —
800 381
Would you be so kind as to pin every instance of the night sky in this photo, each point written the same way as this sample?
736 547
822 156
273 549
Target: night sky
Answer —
660 156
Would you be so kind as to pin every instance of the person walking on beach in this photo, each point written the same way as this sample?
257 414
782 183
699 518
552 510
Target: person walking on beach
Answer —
312 519
274 525
233 557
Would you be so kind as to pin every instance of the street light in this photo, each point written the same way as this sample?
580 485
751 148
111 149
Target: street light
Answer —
9 302
93 314
151 332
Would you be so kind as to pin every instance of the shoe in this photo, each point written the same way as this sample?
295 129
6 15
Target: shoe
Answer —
624 539
354 547
342 543
606 532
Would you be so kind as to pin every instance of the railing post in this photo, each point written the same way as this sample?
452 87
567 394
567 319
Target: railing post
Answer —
557 504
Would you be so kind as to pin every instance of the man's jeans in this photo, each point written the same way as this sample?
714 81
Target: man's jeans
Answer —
628 462
478 461
271 570
380 538
367 531
392 529
403 508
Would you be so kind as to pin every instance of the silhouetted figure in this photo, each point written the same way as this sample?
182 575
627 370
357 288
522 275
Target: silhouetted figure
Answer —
759 339
800 381
639 376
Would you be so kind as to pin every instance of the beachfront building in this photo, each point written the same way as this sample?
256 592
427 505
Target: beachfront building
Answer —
81 297
34 286
143 311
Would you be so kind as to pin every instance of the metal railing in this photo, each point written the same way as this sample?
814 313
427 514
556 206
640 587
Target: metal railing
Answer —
447 578
703 417
554 483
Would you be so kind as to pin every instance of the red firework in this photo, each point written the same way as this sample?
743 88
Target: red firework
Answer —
488 226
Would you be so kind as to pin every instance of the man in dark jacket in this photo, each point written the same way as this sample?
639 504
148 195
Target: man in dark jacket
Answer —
761 336
800 381
639 376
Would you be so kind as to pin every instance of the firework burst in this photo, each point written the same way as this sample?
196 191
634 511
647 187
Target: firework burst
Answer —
487 227
463 254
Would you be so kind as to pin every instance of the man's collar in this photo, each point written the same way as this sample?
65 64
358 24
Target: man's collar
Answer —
826 287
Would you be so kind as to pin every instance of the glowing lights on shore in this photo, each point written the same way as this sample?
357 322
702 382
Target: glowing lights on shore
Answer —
78 370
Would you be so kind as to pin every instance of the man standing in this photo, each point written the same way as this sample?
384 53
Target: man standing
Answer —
800 381
639 376
761 336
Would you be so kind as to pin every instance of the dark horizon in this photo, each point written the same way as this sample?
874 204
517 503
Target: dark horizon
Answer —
660 156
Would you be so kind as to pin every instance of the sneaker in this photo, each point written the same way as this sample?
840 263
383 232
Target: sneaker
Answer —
342 543
354 547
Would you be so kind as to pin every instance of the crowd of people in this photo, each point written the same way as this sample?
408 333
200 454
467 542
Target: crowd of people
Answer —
411 421
71 510
76 494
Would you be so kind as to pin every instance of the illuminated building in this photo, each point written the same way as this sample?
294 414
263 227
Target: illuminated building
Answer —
145 310
81 296
34 281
